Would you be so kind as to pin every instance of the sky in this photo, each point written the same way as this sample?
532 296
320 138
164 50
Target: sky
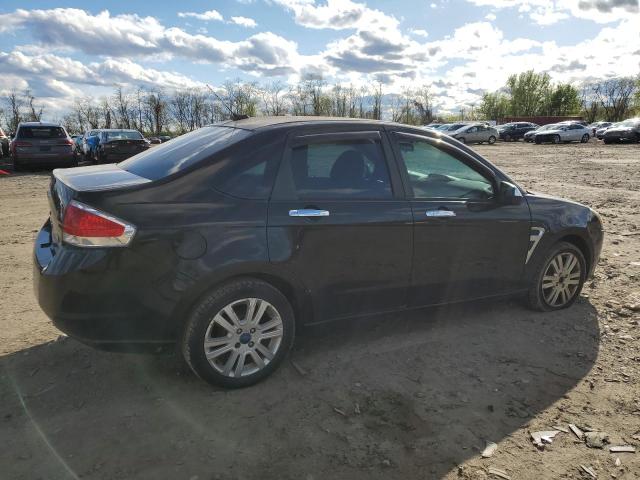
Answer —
63 50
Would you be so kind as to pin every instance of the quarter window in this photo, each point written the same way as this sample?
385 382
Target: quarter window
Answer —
353 169
434 173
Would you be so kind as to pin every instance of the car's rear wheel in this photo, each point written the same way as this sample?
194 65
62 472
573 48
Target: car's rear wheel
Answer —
556 139
507 138
239 333
462 139
558 279
538 141
585 138
492 140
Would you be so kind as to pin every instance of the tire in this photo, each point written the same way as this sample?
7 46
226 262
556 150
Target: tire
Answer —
538 141
606 141
492 140
585 138
202 324
542 298
462 140
507 138
17 166
556 139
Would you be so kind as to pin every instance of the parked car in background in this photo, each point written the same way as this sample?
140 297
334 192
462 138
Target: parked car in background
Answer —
476 133
4 144
165 138
600 131
155 140
626 131
564 132
433 126
42 144
117 145
229 238
529 136
515 131
595 126
89 143
77 143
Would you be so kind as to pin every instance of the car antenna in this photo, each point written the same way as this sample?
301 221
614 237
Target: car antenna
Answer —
234 116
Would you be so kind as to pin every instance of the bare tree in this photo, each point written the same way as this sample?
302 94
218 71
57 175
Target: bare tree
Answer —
615 96
274 99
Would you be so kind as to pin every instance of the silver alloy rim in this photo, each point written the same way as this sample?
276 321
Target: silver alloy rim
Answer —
561 279
243 337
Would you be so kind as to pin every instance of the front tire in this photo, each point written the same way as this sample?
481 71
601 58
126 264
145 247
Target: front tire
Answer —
507 138
558 279
556 139
238 334
462 140
492 140
585 138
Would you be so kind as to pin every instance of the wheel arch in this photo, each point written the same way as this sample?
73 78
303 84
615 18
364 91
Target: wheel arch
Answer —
582 245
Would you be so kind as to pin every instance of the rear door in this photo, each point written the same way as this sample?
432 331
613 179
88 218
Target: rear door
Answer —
338 219
466 244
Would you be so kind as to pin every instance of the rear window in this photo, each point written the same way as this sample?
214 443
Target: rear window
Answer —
121 135
42 132
182 152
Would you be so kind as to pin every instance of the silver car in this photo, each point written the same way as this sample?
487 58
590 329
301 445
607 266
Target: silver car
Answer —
572 132
476 133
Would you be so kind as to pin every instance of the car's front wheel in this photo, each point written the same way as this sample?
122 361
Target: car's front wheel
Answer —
556 139
239 333
585 138
558 279
492 140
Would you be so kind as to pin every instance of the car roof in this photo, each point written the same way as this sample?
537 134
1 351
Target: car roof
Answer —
256 123
118 130
38 124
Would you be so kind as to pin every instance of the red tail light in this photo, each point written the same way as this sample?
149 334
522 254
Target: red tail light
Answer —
85 226
22 144
68 141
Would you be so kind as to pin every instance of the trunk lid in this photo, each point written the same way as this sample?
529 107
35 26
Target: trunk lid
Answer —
125 146
70 183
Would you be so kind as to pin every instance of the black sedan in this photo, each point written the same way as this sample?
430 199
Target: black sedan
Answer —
117 145
515 131
225 240
627 131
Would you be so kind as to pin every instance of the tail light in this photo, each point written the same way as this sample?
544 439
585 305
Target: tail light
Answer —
16 144
68 141
85 226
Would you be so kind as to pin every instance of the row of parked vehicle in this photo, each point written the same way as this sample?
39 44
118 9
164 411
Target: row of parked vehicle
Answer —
49 144
561 132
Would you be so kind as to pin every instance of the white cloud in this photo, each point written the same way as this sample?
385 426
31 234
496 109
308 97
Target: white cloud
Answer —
205 16
420 32
244 22
490 16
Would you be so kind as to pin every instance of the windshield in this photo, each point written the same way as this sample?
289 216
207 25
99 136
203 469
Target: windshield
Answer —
182 152
41 132
628 123
547 127
123 135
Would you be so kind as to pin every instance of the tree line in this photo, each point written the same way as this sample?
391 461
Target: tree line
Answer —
156 111
534 94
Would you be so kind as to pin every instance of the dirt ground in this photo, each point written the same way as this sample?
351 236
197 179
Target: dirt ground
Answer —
410 396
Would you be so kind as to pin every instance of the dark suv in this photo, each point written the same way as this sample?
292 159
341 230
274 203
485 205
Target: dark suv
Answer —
117 145
225 240
43 144
515 131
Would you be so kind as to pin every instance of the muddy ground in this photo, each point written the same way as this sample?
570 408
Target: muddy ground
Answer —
408 396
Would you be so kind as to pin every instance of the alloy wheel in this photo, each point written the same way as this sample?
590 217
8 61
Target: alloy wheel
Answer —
492 140
561 279
556 139
585 138
243 337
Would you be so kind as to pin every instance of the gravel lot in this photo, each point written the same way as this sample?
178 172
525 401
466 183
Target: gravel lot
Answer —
403 396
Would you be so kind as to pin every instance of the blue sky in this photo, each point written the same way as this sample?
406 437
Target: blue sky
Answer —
63 50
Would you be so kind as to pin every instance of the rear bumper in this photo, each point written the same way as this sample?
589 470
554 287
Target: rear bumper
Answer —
89 297
40 158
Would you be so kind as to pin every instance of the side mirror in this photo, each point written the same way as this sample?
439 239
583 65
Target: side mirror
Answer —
510 194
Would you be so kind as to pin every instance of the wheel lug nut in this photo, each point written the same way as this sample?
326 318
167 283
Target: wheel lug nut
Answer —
253 330
239 331
237 345
251 344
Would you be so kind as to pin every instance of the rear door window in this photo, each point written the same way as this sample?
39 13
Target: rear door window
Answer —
182 152
349 169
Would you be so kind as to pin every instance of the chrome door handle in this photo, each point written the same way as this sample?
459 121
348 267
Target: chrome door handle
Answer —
308 212
440 213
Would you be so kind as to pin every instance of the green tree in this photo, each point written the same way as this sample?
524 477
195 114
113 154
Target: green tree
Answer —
494 106
527 92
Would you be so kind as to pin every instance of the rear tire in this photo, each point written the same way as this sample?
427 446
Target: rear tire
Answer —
556 139
247 357
492 140
563 270
507 138
585 138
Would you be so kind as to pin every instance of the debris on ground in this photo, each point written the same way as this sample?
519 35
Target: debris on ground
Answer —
576 431
596 439
560 428
489 450
356 408
589 471
339 412
540 439
622 449
299 369
499 473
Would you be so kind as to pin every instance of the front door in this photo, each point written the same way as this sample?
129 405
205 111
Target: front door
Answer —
466 244
338 219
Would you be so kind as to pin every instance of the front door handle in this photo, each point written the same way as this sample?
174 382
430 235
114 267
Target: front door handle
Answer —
308 212
440 213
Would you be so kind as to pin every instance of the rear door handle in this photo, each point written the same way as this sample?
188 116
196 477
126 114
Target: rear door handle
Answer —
308 212
440 213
